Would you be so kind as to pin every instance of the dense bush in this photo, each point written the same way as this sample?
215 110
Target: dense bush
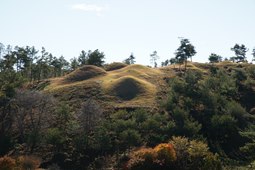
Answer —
208 107
163 156
28 162
55 137
181 153
128 129
7 163
21 163
192 154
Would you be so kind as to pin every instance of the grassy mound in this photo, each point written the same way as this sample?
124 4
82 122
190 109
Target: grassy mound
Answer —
114 66
84 73
138 71
128 88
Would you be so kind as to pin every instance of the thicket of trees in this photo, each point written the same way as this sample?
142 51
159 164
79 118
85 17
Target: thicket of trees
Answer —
34 65
186 50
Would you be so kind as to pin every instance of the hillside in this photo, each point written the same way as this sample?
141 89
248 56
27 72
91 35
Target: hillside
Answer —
136 117
134 86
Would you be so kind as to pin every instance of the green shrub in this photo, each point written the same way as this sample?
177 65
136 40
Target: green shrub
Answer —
55 137
141 159
130 137
251 71
239 74
193 154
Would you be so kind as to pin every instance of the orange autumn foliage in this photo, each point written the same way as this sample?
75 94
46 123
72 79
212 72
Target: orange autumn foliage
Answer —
7 163
163 155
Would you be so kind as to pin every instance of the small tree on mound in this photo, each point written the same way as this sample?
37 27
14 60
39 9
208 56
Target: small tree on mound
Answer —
240 52
74 64
253 54
96 58
214 58
83 58
130 59
186 50
154 57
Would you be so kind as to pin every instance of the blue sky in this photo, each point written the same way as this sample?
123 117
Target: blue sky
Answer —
119 27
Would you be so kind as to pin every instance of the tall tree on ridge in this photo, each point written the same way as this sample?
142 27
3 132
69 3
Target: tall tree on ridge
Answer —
32 56
2 49
83 58
154 57
186 50
132 58
253 54
214 58
74 63
240 52
95 58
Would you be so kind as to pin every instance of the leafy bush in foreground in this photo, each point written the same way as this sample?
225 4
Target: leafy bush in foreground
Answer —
7 163
162 156
181 153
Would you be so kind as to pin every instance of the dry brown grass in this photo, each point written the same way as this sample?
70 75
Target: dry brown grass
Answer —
114 66
131 86
84 73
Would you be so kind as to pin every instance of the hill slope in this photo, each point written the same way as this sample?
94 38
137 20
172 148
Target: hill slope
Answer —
130 87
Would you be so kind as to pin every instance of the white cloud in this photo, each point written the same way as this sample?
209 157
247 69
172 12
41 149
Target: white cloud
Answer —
89 8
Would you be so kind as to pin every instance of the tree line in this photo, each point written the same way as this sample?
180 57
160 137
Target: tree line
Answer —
33 64
186 51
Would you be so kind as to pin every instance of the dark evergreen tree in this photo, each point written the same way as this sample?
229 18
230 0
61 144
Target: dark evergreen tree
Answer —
83 58
95 58
172 61
253 54
214 58
240 52
185 51
2 50
132 58
74 64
